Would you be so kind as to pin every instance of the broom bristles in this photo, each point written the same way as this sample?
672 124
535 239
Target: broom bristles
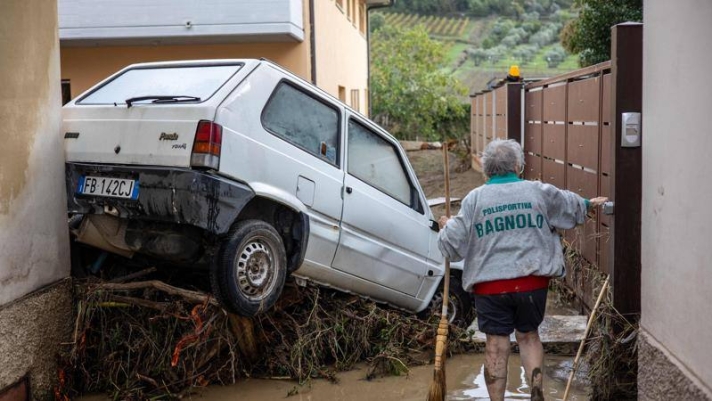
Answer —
437 386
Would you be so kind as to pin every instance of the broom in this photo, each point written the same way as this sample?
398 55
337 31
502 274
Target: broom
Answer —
437 386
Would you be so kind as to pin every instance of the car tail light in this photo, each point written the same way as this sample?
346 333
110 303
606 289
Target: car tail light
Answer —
206 148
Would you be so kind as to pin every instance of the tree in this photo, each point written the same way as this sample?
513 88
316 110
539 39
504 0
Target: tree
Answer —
525 53
412 94
555 56
376 21
477 55
589 35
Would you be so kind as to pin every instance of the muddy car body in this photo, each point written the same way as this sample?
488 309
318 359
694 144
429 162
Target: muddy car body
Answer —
242 167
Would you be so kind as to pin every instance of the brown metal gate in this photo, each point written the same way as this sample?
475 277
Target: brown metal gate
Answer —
572 140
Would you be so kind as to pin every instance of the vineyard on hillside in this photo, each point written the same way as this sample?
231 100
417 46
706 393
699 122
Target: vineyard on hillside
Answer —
481 48
435 25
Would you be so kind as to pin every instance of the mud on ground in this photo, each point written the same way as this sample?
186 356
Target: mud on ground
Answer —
428 166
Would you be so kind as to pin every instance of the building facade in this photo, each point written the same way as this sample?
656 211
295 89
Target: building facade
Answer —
322 41
35 294
675 354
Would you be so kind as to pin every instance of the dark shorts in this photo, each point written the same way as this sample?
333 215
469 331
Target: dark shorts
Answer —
501 314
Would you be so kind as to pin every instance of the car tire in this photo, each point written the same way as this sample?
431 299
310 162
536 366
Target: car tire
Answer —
461 311
250 268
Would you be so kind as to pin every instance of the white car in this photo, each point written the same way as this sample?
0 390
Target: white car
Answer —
252 172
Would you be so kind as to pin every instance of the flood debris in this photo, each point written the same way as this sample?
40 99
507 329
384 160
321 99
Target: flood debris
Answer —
611 354
136 340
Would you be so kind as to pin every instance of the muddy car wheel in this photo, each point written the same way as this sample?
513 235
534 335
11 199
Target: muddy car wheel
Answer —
460 305
249 272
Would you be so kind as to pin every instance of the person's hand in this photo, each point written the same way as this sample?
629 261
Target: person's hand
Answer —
598 201
442 221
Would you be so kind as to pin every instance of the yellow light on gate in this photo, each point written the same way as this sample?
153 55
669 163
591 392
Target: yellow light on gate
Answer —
513 75
514 71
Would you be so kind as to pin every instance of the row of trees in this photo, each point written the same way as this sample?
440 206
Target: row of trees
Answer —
482 8
523 39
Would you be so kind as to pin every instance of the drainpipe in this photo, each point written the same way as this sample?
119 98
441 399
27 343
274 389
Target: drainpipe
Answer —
312 41
368 47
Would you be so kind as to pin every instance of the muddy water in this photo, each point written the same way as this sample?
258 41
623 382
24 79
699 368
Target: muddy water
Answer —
465 381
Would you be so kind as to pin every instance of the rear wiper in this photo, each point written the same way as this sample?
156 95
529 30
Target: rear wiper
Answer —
162 99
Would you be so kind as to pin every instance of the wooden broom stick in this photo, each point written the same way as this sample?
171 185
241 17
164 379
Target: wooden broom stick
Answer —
437 386
585 334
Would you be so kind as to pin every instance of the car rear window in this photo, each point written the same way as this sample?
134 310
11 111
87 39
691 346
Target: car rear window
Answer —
199 81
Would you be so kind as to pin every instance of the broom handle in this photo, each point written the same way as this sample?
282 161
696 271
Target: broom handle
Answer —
446 287
585 334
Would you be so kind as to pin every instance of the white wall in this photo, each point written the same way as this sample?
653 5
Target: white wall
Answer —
33 225
677 180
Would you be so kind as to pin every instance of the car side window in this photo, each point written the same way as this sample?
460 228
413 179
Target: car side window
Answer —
304 121
376 162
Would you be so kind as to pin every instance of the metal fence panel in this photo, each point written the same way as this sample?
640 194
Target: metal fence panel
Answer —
606 160
532 170
554 99
583 100
553 173
582 182
500 100
554 141
532 105
606 98
582 148
532 138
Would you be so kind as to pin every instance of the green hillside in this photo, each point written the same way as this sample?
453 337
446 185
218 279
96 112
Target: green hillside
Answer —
481 48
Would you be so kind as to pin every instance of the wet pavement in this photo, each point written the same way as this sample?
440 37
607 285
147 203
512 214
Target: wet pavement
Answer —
465 381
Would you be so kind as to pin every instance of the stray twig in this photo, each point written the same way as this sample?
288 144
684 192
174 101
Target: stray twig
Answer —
193 296
135 275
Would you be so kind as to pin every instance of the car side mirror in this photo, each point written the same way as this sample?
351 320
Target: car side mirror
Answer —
434 225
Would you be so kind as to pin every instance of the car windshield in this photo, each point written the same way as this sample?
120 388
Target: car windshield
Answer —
194 81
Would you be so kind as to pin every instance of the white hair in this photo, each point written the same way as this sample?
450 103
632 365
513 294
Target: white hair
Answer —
502 156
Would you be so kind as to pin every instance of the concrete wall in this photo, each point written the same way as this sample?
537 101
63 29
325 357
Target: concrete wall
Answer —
34 250
341 50
676 221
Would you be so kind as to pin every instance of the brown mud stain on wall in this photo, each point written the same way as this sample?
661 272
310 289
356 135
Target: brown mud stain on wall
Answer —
24 79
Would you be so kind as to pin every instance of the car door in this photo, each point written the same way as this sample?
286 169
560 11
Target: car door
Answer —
284 140
385 232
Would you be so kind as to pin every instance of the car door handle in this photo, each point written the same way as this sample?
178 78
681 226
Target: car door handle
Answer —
349 190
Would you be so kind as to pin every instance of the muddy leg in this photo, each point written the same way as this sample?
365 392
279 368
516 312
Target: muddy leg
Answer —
496 356
532 354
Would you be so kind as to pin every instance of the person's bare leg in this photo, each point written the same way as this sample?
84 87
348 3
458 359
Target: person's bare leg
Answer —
532 353
496 357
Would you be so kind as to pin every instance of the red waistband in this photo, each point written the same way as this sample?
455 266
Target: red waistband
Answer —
519 284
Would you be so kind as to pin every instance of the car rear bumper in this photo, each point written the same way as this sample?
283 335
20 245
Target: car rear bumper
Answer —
171 195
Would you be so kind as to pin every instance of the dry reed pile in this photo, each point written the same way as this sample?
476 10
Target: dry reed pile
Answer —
611 354
147 339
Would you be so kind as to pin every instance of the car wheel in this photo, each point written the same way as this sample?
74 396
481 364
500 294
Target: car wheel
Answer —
248 274
460 311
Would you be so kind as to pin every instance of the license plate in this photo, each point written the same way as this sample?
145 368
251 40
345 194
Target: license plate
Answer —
108 186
